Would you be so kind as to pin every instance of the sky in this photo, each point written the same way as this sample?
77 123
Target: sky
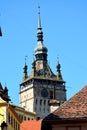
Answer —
64 24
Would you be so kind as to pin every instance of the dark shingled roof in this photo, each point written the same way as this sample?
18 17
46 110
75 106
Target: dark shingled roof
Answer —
74 108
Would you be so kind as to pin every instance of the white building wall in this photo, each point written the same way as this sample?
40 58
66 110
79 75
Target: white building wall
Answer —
32 92
26 95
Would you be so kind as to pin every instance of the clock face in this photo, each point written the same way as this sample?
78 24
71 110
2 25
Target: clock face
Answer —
44 92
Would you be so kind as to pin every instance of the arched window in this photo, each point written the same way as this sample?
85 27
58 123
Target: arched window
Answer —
44 102
36 101
41 102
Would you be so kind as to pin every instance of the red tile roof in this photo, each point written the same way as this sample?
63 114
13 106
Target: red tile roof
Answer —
31 125
74 108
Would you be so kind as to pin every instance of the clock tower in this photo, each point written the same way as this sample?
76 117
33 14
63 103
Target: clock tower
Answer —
42 85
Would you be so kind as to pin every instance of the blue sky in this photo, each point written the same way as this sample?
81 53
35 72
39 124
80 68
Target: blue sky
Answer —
64 24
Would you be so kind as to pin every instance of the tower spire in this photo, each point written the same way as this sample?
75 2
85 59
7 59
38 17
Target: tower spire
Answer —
39 31
40 50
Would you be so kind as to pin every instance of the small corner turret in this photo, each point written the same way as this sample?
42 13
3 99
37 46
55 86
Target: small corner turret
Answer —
59 75
4 93
25 70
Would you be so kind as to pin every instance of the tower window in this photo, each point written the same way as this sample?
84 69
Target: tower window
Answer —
51 94
44 109
41 102
48 102
44 102
36 101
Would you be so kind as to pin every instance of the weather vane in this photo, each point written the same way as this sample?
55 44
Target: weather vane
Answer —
25 58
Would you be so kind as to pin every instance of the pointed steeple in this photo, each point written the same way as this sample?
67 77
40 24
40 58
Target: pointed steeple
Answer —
25 70
39 31
40 50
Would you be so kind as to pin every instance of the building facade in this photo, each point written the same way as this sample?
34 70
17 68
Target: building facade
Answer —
42 85
23 114
12 115
8 117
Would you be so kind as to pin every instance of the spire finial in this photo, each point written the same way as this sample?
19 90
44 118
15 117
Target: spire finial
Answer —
39 20
58 59
38 8
25 59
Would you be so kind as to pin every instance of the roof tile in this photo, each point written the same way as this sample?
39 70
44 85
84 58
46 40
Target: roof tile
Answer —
31 125
75 107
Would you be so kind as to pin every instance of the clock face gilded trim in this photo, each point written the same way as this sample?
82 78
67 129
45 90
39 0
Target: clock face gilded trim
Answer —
44 92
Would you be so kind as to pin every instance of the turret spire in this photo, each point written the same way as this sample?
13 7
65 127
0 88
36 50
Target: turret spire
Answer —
59 75
25 70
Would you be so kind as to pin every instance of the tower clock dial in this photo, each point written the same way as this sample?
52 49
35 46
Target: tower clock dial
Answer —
44 92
